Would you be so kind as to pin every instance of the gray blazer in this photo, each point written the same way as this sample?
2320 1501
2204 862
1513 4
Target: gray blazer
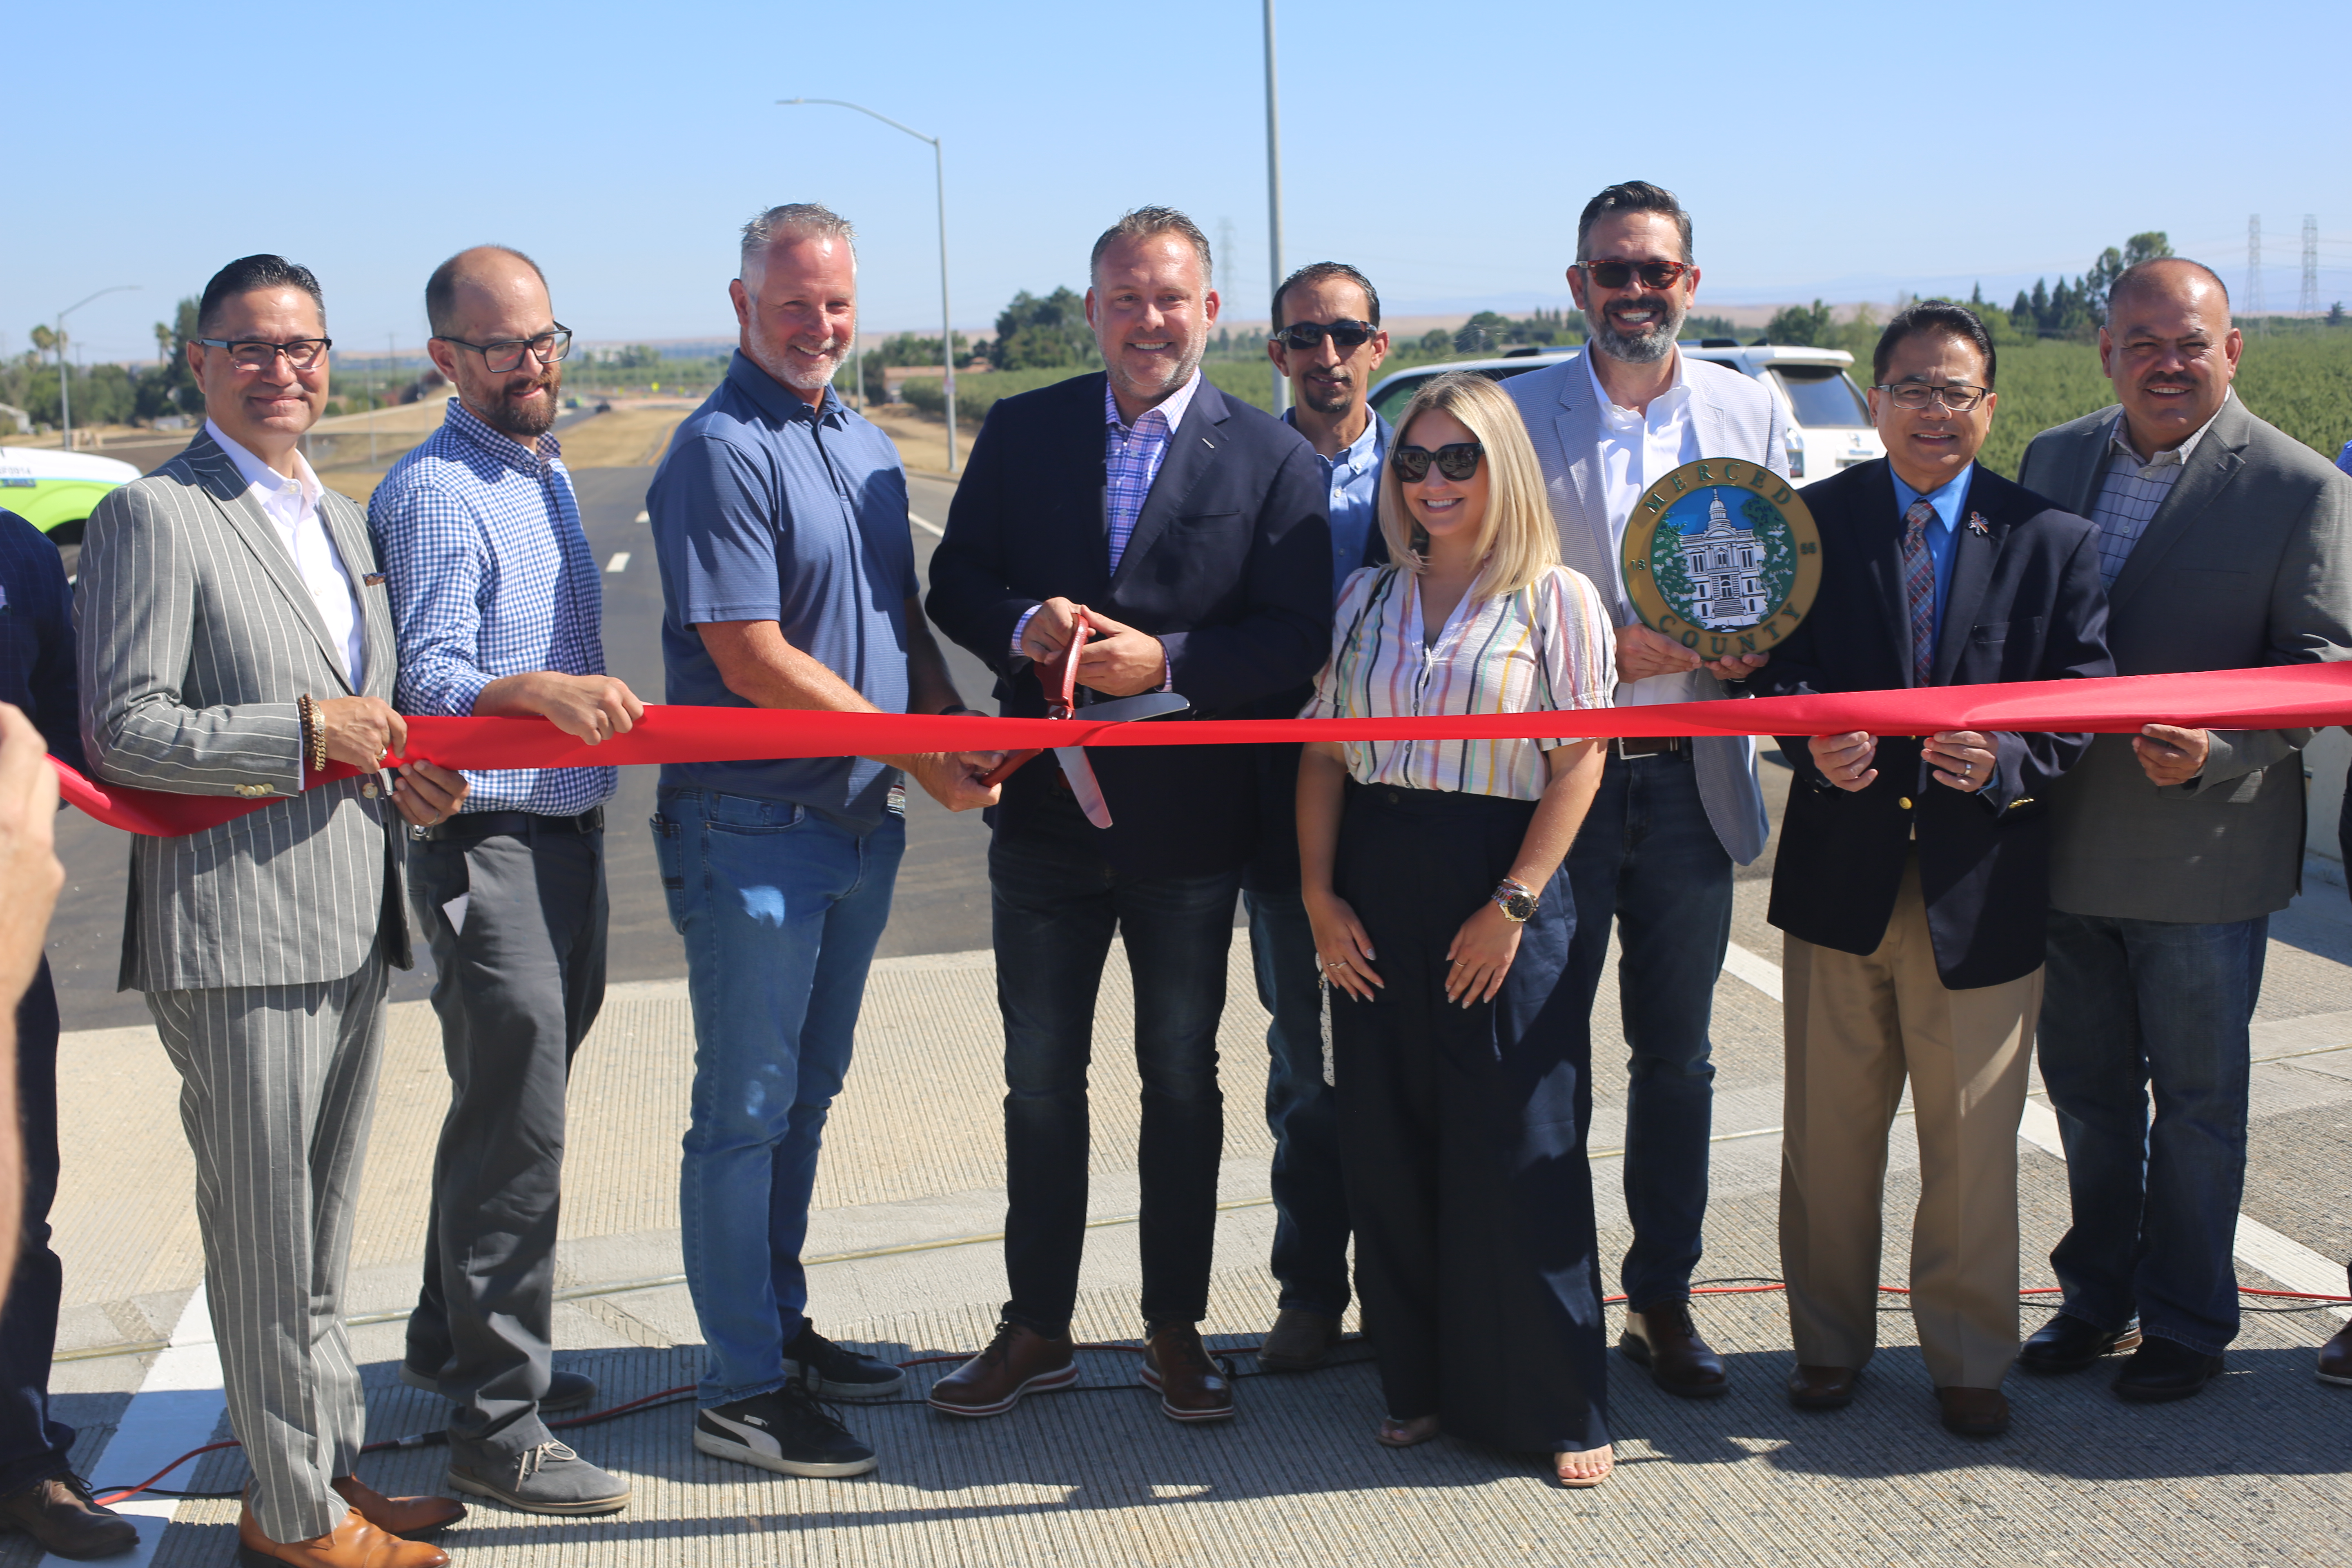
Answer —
1736 418
197 637
2247 563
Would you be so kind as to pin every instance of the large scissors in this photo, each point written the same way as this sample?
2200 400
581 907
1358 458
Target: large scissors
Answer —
1060 680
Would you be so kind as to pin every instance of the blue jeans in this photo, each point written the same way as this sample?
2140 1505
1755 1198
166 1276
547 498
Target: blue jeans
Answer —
1648 856
780 911
1056 903
1311 1200
2130 1007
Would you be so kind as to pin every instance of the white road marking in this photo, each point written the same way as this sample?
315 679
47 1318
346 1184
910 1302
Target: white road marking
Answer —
643 517
2282 1257
927 526
619 563
175 1409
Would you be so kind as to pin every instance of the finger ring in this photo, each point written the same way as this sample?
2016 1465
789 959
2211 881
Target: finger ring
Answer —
1340 963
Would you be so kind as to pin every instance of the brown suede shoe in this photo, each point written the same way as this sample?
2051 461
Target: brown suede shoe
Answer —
1299 1340
1190 1386
1663 1339
352 1543
2335 1358
1823 1387
1018 1361
410 1518
58 1512
1973 1412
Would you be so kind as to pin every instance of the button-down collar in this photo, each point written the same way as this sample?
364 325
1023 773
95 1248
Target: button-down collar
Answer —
476 432
1171 408
2119 440
1351 492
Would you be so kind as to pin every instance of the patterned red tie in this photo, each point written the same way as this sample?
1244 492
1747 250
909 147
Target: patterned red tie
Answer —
1919 584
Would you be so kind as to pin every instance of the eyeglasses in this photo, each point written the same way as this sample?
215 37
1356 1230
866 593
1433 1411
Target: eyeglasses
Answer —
1958 396
506 355
1345 336
254 353
1457 462
1617 273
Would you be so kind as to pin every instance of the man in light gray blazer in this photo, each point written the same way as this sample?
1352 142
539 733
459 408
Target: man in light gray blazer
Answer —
1657 849
234 640
2224 545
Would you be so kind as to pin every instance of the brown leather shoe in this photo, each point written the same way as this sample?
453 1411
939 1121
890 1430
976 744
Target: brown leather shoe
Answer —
2335 1358
1190 1386
1299 1340
410 1518
352 1543
1663 1339
1823 1387
58 1512
1018 1361
1974 1412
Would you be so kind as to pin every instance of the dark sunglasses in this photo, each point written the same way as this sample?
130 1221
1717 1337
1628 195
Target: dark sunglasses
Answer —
1457 462
1345 336
1617 273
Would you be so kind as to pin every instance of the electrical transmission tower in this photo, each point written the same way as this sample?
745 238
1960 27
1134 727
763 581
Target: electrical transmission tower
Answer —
2307 302
2254 269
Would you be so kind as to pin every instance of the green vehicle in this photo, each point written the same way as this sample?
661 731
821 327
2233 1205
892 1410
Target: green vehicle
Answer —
57 491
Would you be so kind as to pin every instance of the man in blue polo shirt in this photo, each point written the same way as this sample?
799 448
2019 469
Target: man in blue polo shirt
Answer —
788 581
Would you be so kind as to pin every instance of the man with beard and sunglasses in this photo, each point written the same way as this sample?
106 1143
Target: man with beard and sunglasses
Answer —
1655 855
497 603
788 581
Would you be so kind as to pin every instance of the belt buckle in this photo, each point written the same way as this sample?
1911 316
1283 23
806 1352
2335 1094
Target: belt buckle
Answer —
1652 746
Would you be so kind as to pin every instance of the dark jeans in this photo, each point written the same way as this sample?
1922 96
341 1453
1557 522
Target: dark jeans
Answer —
33 1444
519 979
1648 856
1310 1198
1056 903
2129 1007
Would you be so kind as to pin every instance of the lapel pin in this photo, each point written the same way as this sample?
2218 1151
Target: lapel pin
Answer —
1977 525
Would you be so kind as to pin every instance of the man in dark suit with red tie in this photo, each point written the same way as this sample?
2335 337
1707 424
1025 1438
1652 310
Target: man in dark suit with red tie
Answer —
1913 877
1187 531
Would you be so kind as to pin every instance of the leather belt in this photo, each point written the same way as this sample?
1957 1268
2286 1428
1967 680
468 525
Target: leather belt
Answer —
468 825
1646 746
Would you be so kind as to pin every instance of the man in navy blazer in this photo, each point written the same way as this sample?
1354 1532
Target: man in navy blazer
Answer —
1913 877
1190 529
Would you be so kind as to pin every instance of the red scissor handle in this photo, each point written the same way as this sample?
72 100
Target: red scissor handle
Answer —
1063 673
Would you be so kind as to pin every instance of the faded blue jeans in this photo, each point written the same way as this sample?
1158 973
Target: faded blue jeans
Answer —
781 909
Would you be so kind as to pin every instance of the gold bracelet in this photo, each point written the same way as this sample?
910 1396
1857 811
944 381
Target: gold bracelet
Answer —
314 736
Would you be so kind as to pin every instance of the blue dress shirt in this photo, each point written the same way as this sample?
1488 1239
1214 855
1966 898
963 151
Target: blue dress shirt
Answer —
1351 487
1942 534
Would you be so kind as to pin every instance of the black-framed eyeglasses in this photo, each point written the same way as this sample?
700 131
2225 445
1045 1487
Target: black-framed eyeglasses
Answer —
256 353
506 355
1345 335
1457 461
1617 273
1957 395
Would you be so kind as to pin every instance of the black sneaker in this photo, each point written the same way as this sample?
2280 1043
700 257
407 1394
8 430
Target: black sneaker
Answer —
835 1371
786 1431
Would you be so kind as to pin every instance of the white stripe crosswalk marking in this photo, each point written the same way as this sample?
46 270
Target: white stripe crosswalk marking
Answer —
619 563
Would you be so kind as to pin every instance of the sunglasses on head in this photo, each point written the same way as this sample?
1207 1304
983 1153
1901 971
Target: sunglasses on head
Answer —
1457 462
1345 336
1617 273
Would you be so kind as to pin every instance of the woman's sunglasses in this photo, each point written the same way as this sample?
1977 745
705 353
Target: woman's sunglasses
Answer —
1617 273
1457 462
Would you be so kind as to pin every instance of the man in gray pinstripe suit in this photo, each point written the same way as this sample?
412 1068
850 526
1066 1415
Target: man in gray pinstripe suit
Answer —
234 638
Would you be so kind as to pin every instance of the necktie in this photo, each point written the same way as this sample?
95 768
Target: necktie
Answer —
1919 584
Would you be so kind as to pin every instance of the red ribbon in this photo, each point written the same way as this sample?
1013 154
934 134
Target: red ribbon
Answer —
2287 697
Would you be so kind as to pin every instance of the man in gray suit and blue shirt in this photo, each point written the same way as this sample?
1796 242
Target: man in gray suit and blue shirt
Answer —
235 641
2224 546
1657 848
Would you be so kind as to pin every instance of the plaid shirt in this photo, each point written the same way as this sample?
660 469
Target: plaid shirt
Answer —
2131 492
489 576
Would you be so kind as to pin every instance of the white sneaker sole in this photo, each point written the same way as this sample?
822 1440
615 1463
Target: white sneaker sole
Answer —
1044 1383
744 1454
1149 1378
474 1487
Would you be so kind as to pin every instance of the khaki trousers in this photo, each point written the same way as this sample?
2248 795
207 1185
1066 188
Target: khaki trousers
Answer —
1856 1028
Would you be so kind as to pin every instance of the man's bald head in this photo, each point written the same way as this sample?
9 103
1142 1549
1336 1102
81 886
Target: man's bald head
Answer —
2166 275
487 274
486 304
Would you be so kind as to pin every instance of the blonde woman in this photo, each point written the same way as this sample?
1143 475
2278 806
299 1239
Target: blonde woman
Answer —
1432 879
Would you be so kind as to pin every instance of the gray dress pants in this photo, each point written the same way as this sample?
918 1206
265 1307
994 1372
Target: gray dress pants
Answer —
277 1088
517 925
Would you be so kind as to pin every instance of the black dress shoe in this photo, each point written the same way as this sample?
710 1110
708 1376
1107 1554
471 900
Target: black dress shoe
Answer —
2335 1358
2069 1344
1663 1339
1823 1387
2165 1369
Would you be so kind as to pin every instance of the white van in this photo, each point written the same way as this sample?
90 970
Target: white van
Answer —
1829 421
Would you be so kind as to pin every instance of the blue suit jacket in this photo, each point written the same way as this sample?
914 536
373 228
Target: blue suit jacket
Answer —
1229 566
2025 604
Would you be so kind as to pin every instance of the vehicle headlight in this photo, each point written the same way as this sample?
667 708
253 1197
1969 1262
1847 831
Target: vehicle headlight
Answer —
1796 451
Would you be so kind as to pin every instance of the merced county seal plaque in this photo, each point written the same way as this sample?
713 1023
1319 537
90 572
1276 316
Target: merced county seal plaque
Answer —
1722 556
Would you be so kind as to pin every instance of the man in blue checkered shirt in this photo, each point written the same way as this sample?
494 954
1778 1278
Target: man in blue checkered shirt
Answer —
497 601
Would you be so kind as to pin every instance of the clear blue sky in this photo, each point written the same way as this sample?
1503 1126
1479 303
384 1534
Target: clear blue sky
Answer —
1824 150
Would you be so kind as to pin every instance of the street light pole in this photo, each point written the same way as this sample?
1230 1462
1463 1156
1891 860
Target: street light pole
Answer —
1274 195
65 372
947 319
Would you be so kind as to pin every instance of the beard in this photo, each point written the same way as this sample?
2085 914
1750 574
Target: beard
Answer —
524 422
1334 396
806 370
1646 346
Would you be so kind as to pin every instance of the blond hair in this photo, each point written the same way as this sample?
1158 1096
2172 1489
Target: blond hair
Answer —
1517 542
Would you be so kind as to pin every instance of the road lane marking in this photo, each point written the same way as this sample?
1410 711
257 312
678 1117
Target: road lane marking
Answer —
927 526
177 1408
1754 968
619 563
642 517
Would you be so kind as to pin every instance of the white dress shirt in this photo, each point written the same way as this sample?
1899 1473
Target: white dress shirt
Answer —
1637 450
293 505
